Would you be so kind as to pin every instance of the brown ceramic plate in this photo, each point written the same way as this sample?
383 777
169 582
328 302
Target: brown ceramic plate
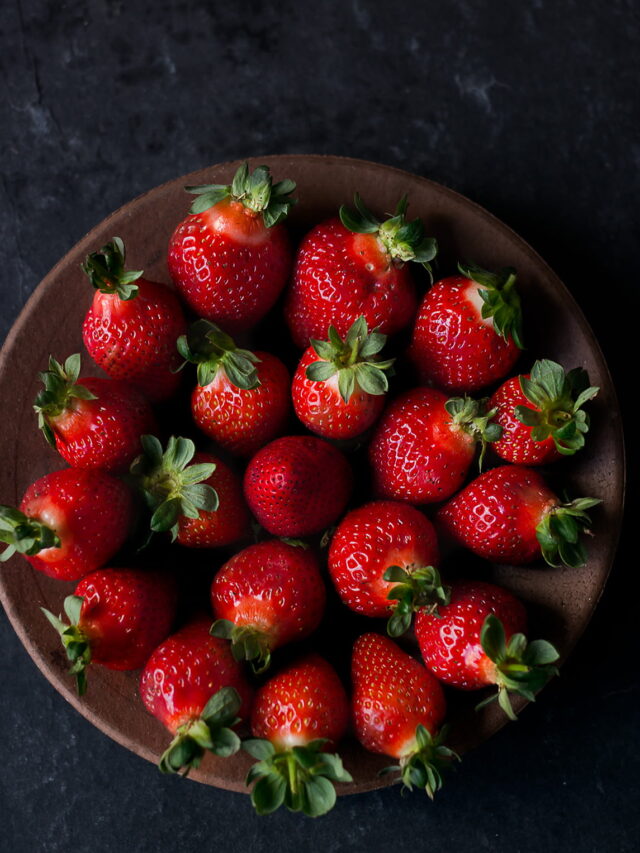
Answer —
560 601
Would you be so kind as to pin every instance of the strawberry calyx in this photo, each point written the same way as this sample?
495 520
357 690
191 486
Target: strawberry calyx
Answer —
521 667
500 299
423 768
107 274
475 418
206 345
354 360
559 532
256 191
401 240
247 643
24 535
75 642
417 589
211 731
60 389
173 488
558 398
300 778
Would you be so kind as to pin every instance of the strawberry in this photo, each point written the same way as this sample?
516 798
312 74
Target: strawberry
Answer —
424 444
297 485
380 543
192 684
509 515
356 266
117 618
194 496
69 522
92 423
541 414
230 258
468 332
265 596
398 708
242 398
478 640
133 324
296 716
338 389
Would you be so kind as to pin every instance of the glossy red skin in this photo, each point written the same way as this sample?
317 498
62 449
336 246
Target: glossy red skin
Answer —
125 614
416 454
229 523
392 695
370 539
186 670
516 444
244 421
92 513
339 276
450 643
103 433
322 410
304 701
135 339
297 485
496 515
452 347
273 587
227 266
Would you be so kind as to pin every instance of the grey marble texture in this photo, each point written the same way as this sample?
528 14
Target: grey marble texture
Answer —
530 109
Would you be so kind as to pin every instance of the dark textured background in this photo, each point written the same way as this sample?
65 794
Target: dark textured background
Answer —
528 108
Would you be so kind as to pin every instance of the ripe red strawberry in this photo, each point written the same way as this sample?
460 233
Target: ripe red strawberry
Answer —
192 684
541 414
296 716
69 522
193 495
374 547
230 258
117 618
478 639
398 708
468 330
297 485
242 398
424 444
355 266
92 423
265 596
509 515
133 324
338 389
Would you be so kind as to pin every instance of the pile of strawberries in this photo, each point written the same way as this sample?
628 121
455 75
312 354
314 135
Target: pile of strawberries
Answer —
285 500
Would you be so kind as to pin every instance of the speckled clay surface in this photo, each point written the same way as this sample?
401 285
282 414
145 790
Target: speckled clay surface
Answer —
560 601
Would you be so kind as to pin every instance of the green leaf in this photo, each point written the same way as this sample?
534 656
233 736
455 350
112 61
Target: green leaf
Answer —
258 748
225 742
320 371
72 607
492 638
321 796
223 707
268 794
166 515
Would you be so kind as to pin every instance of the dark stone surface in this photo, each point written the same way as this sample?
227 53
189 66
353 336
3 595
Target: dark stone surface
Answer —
530 109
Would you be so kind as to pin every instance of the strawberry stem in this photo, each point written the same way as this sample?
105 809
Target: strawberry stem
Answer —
256 191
